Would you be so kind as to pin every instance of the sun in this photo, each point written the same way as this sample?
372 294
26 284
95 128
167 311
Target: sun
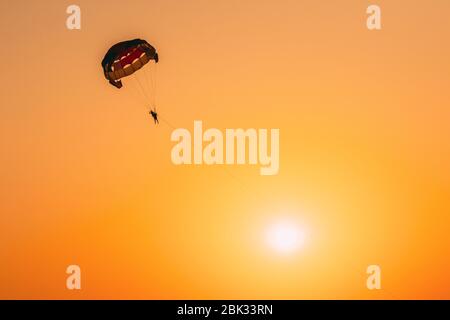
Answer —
285 237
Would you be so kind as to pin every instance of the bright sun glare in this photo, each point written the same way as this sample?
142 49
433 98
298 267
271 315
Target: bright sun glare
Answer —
285 237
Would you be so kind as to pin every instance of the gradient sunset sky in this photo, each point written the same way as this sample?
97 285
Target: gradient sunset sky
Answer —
364 119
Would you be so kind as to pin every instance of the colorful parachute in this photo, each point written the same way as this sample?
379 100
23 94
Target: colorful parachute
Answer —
125 58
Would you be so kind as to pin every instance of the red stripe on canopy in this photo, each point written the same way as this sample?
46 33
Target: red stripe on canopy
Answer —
136 54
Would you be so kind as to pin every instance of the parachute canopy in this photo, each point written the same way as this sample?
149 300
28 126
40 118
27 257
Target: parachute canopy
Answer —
125 58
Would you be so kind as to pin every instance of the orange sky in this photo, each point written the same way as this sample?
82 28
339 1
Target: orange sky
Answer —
364 150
